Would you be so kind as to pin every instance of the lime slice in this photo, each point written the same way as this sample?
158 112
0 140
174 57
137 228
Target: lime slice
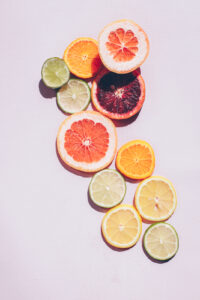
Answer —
161 241
107 188
55 72
73 96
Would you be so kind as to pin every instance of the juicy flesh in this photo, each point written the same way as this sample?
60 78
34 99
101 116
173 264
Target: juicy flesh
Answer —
74 95
118 93
83 57
122 227
156 199
55 72
86 141
136 159
122 45
161 241
108 188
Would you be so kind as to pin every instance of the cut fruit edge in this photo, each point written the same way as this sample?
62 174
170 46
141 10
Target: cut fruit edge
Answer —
58 98
106 217
137 193
148 230
129 175
83 166
111 115
42 75
92 180
101 45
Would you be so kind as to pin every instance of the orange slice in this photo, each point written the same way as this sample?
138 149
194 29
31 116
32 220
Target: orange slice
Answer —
123 46
136 159
155 198
82 57
122 226
87 141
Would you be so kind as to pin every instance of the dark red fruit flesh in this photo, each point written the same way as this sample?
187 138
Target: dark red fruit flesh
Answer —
118 93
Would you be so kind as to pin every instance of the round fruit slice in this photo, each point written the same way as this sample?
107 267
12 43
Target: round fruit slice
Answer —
123 46
118 96
73 96
107 188
82 57
87 141
122 226
136 159
161 241
55 72
155 198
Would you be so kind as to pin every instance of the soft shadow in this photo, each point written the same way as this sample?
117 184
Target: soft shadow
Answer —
45 91
160 262
122 123
69 169
94 206
114 248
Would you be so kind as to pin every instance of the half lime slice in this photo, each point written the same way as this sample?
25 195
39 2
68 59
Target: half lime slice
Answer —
107 188
73 96
55 72
161 241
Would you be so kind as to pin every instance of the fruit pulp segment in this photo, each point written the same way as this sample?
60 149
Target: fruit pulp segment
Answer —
161 241
136 159
86 141
83 56
108 188
122 226
156 199
118 93
122 45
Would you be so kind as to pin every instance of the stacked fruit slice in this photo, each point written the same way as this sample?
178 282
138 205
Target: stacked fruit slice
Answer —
87 140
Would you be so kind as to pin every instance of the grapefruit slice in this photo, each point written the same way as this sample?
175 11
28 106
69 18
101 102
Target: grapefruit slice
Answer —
82 57
123 46
87 141
118 96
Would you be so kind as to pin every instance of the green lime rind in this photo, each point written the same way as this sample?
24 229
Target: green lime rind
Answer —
90 188
59 97
55 76
146 248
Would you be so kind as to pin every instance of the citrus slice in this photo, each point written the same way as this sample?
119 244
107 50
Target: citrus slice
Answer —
82 57
155 198
74 96
55 72
118 96
136 159
107 188
123 46
87 141
161 241
122 226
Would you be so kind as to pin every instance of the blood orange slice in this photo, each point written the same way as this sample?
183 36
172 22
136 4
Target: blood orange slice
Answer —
123 46
118 96
87 141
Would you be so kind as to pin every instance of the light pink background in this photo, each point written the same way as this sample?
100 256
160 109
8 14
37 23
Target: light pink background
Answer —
50 241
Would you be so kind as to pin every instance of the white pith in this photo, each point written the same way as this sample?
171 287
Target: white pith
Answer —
97 118
108 58
122 207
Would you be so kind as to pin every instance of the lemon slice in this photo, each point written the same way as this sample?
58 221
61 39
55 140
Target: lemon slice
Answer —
122 226
74 96
161 241
107 188
155 198
55 72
